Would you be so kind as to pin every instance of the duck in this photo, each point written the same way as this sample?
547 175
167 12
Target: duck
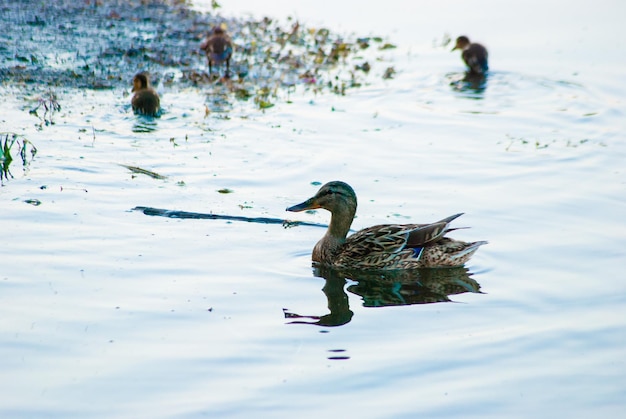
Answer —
385 246
218 48
146 100
475 55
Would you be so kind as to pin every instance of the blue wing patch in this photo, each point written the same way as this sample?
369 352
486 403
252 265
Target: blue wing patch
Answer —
417 252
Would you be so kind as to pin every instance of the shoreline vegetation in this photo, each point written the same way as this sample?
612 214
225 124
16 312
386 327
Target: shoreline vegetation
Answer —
101 44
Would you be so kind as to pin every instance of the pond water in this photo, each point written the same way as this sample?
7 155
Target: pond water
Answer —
109 312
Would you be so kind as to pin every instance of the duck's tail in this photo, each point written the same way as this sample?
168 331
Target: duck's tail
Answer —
466 253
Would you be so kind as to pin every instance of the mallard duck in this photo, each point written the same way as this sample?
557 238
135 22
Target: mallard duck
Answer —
475 55
388 246
145 100
218 48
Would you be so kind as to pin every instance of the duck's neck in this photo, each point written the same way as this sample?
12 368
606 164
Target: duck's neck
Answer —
340 221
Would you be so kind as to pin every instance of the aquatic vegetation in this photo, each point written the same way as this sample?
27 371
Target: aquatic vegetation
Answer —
521 143
100 45
389 73
33 202
50 105
7 142
139 170
272 61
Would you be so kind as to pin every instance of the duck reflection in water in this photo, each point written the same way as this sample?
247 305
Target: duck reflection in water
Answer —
474 85
385 288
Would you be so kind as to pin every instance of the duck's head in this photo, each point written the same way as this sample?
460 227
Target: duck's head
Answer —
140 81
334 196
461 43
219 29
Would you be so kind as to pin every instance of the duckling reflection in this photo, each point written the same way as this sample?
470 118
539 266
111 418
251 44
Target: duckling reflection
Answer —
386 288
471 83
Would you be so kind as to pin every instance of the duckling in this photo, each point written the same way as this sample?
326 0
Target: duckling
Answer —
218 48
146 100
475 55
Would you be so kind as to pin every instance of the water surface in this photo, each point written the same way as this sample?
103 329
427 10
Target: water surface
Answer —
108 312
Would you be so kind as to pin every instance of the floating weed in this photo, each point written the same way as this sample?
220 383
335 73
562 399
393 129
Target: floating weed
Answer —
70 188
544 144
365 67
389 73
141 171
571 143
26 151
263 104
242 93
50 105
268 56
225 190
387 46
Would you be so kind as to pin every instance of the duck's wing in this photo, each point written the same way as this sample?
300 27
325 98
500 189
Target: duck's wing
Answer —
393 238
423 234
385 245
375 247
476 58
388 238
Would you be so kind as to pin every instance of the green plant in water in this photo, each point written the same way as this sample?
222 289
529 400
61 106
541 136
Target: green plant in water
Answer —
6 158
7 141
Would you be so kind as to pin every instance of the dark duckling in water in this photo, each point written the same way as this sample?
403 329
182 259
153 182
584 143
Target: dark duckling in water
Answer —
218 48
475 55
145 101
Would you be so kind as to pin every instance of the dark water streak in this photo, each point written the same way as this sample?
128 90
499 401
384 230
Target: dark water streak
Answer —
204 216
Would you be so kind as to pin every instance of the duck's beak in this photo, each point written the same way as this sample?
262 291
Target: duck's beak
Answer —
306 205
455 47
